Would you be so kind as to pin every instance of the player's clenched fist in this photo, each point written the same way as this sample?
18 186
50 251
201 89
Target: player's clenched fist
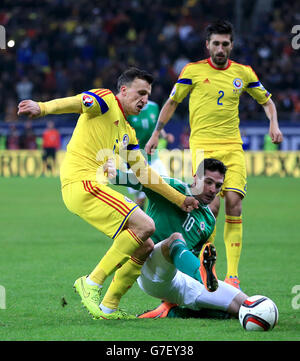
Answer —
189 204
29 108
109 168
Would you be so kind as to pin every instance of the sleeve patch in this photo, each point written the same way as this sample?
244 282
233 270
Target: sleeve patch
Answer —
185 81
103 106
254 84
87 100
133 147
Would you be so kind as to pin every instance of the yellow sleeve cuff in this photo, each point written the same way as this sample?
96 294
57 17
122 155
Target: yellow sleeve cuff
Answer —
61 106
157 184
149 178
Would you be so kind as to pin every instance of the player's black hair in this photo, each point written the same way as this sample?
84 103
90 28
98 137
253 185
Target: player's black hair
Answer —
213 165
132 73
219 27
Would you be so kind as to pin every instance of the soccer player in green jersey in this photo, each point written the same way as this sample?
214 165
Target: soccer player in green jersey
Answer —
144 124
173 272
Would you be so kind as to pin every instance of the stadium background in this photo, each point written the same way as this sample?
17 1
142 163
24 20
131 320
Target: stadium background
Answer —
62 47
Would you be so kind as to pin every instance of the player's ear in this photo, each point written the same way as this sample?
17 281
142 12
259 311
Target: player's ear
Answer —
207 43
123 90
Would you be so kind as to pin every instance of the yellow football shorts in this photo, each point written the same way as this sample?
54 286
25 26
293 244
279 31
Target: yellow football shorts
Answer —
234 159
99 205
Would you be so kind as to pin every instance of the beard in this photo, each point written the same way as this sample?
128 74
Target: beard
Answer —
219 59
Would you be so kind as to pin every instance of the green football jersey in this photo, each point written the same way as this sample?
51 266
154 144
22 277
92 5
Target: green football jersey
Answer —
195 227
144 125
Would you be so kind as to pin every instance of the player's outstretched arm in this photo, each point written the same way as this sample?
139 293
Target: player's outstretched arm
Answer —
34 109
29 108
150 179
165 115
271 113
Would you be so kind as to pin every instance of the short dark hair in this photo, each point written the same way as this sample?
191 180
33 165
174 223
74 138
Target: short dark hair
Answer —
219 27
213 165
132 73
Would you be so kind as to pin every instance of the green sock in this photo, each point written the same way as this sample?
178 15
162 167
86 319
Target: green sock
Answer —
184 260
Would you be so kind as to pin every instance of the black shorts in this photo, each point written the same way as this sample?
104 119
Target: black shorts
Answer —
49 153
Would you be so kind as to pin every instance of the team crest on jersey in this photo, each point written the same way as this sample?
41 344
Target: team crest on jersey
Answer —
238 83
87 100
202 227
125 140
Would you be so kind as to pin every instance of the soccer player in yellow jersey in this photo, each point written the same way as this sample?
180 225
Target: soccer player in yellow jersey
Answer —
215 86
101 133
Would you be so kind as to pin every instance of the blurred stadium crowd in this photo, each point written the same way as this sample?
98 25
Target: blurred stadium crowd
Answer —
63 47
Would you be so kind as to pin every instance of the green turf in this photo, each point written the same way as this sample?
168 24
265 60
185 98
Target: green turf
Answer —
44 248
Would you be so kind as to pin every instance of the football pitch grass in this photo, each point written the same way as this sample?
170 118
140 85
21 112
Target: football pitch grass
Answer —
44 248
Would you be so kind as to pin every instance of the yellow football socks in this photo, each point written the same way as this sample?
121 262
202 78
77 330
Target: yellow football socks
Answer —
123 279
233 233
123 247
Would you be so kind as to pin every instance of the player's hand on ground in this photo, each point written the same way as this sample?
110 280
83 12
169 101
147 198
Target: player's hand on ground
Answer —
29 108
276 135
152 143
189 204
109 168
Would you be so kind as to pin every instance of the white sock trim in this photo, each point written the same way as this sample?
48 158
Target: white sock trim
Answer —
92 283
106 309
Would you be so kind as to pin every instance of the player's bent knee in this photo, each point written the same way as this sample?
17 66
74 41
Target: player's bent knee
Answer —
173 237
144 251
176 235
141 224
149 227
145 229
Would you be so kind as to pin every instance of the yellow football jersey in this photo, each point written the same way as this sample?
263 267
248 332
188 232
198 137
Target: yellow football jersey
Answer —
214 100
101 132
